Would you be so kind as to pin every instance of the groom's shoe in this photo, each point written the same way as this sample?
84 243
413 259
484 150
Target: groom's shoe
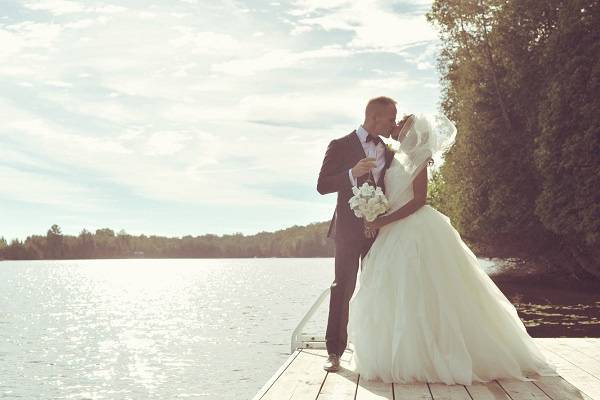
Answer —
332 364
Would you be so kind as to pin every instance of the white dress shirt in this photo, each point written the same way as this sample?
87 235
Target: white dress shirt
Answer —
371 150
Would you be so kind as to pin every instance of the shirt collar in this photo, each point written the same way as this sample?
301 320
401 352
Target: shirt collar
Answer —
362 133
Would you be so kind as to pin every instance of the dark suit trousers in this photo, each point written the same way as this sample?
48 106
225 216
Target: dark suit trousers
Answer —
347 257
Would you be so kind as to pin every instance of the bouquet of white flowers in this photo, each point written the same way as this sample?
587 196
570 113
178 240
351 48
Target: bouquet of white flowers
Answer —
368 202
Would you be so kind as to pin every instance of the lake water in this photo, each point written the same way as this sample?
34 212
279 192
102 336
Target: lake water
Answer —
153 329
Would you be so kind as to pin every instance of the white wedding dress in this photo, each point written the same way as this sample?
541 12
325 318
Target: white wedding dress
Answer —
424 311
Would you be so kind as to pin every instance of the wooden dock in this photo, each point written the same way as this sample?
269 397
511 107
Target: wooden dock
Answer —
302 377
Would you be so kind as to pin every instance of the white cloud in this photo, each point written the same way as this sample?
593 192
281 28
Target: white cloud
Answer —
424 59
9 44
108 9
297 109
65 7
277 59
305 7
165 143
31 187
389 82
300 29
205 42
35 34
56 7
82 23
372 23
195 113
59 84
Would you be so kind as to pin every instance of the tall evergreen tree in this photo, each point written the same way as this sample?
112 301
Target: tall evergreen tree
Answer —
55 238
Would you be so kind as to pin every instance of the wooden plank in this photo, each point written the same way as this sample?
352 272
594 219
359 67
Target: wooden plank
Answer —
487 391
441 391
589 346
558 388
585 382
339 386
342 384
275 376
412 391
581 344
374 390
582 360
301 380
573 351
521 390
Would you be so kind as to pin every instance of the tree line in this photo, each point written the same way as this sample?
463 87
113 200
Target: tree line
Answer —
521 80
297 241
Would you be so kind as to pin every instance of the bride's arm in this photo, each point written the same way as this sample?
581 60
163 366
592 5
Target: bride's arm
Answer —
418 201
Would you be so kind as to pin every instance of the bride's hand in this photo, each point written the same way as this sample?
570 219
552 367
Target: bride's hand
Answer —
376 223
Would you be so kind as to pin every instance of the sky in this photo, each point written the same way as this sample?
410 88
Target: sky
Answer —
187 117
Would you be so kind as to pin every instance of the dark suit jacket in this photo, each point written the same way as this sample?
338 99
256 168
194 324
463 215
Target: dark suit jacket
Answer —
341 155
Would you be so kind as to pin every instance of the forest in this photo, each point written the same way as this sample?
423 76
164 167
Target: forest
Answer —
521 80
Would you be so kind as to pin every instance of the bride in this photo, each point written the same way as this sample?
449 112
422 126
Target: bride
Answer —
424 311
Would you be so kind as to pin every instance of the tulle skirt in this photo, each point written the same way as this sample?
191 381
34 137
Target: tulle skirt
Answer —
424 311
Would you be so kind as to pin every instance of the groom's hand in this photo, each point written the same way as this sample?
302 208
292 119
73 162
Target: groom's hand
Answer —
363 167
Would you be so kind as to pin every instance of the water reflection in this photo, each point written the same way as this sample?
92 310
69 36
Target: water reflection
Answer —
164 329
554 312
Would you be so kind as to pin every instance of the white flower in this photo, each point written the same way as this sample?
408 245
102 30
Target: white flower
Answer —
368 202
371 216
366 190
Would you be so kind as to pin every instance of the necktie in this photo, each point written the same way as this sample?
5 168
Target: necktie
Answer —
376 139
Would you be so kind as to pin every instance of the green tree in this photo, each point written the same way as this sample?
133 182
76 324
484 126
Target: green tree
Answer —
496 63
16 250
55 239
36 247
85 246
3 246
567 152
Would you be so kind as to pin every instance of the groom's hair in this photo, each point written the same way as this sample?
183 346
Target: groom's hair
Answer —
377 103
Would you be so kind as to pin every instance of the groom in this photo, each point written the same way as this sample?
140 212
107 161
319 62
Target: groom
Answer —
345 165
